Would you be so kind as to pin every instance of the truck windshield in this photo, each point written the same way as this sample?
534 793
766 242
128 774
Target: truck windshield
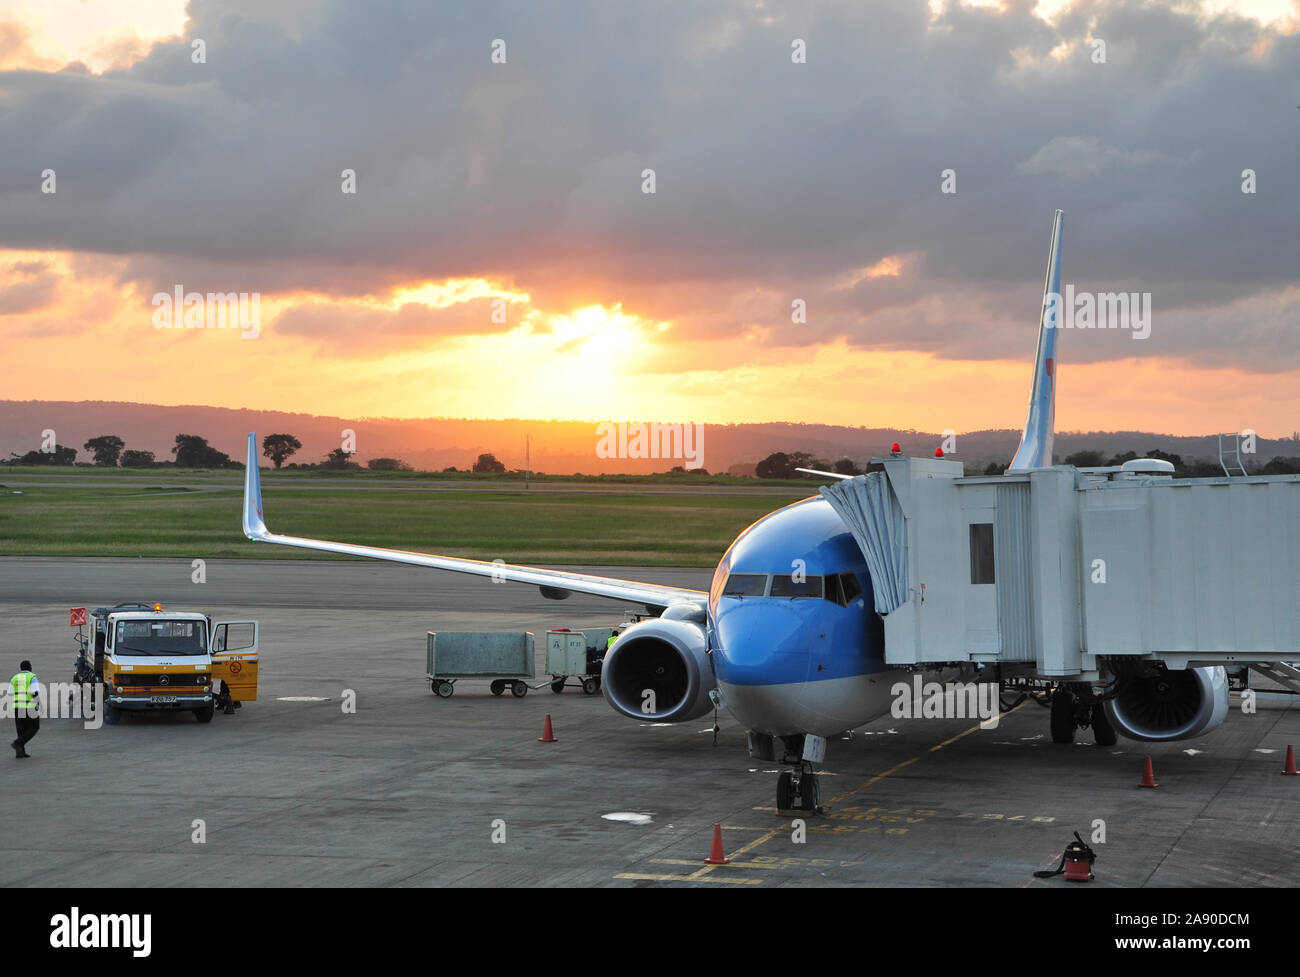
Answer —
161 638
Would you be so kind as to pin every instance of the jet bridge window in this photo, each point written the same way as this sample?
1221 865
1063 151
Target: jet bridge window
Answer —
745 585
784 585
981 552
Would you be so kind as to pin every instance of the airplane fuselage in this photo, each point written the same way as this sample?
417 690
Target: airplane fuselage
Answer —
795 641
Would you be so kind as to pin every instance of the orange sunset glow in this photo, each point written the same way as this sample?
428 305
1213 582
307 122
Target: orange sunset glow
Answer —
487 268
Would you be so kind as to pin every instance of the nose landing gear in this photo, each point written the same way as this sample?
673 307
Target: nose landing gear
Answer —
797 789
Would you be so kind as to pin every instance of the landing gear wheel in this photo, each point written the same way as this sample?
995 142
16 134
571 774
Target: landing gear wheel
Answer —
1063 716
519 690
784 791
590 686
810 794
557 684
1102 729
497 686
445 689
205 714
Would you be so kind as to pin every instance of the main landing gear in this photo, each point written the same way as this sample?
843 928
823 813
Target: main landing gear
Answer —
1076 706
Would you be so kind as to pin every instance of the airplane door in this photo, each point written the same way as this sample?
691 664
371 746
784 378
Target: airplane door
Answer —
235 658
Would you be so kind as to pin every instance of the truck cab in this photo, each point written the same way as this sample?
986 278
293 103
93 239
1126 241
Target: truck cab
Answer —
154 660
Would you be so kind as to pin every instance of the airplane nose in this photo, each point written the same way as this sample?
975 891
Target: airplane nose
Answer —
778 669
761 643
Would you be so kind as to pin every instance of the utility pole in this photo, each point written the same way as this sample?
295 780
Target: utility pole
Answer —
527 459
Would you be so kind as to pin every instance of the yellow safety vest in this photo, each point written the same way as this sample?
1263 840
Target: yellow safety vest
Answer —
22 688
610 643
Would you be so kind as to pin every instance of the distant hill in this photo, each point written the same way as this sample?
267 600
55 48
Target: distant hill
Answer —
558 447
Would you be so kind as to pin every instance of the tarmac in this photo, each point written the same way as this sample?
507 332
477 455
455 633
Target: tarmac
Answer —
413 790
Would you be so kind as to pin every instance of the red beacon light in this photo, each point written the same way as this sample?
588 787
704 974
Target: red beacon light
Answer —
938 452
895 448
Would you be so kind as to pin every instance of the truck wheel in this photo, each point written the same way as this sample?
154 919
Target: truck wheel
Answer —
497 686
111 714
445 690
557 684
590 686
519 690
205 714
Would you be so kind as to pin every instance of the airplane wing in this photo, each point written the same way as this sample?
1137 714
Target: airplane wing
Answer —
555 584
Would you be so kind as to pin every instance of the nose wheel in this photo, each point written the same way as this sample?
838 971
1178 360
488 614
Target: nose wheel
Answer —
798 790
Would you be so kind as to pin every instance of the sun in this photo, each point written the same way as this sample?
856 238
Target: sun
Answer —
598 337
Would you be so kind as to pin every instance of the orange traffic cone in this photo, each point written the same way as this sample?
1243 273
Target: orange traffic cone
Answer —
547 735
1289 770
1148 776
716 856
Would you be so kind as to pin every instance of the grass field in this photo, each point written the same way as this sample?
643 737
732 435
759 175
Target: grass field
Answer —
617 528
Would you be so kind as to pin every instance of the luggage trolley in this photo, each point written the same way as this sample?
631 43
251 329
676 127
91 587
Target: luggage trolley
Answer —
506 658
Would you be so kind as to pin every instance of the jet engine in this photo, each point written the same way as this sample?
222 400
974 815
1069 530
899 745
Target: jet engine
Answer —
659 669
1156 703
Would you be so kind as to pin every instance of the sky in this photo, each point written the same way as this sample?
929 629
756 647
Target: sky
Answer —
802 257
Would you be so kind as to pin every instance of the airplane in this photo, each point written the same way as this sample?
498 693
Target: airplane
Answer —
787 637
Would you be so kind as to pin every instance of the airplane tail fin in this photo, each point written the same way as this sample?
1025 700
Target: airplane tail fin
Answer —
1035 449
254 523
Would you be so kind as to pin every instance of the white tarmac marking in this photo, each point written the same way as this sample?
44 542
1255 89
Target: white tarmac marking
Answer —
628 817
302 698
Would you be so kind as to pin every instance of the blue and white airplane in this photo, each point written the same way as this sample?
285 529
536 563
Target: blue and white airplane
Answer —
796 656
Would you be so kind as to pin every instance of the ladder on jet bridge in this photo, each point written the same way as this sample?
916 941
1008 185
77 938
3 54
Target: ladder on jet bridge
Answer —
1234 458
1284 674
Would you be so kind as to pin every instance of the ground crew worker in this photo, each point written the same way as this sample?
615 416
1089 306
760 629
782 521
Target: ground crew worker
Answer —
25 690
613 636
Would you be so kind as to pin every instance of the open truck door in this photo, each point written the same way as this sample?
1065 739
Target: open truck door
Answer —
235 661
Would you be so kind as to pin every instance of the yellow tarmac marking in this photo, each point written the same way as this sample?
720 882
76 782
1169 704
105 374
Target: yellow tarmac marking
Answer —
697 877
704 874
907 763
689 861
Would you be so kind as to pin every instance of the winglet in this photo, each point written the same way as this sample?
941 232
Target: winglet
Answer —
254 526
1035 449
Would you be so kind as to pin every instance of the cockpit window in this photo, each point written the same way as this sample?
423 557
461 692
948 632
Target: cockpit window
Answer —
746 585
785 585
843 589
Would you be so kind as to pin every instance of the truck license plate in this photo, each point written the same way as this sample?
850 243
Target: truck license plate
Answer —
162 699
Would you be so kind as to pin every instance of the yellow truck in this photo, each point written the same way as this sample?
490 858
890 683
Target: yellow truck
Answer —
152 660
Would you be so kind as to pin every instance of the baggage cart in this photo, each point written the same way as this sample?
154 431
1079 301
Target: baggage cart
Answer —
505 658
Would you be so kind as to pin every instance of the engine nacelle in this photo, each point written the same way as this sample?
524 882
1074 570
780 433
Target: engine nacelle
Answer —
665 657
1168 704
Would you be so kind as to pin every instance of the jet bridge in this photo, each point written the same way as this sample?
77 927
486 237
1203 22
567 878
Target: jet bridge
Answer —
1056 567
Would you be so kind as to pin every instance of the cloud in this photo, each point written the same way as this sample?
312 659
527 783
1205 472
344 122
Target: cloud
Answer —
1080 158
25 286
361 331
775 180
17 52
